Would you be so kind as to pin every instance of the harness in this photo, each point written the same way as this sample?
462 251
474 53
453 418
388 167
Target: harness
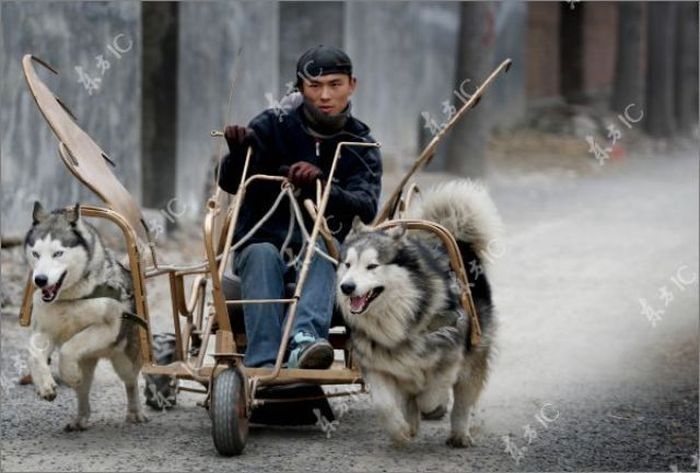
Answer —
105 290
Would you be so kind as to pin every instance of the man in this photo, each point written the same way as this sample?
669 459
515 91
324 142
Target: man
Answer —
299 143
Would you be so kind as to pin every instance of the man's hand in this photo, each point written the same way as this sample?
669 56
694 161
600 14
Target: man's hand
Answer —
302 174
236 137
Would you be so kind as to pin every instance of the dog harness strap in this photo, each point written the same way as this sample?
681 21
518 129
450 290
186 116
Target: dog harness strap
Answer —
130 316
105 290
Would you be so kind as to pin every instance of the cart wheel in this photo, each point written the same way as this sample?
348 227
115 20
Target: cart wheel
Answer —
227 411
160 390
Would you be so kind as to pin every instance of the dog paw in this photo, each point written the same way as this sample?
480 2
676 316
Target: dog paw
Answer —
47 391
136 418
462 440
401 435
77 425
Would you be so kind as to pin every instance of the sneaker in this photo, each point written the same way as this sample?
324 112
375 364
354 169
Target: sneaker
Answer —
310 353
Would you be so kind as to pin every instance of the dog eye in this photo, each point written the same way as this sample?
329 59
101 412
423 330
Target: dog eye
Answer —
347 265
372 266
35 254
57 254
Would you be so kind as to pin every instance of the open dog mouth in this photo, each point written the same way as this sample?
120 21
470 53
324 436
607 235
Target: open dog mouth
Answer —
49 293
359 304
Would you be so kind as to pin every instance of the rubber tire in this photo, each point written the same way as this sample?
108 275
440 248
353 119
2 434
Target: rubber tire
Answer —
163 394
227 412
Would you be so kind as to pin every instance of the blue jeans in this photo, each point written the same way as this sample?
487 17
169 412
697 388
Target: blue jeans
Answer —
262 271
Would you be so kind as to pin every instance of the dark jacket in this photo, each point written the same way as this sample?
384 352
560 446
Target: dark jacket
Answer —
281 138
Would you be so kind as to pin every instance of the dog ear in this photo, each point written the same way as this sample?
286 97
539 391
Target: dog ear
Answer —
357 225
38 214
74 215
397 232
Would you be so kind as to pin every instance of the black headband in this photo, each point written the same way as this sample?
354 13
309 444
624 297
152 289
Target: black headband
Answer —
322 60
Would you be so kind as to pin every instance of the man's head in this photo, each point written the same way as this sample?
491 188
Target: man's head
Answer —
324 77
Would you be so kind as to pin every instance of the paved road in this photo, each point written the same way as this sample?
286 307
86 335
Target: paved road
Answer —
582 381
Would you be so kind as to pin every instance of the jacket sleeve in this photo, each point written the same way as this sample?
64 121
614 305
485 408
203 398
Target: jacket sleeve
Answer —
261 139
360 193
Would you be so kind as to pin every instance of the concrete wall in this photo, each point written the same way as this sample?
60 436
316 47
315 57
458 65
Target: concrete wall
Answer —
304 25
66 35
210 35
404 60
508 93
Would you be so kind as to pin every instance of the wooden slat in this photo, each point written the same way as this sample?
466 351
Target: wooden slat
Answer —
337 374
83 157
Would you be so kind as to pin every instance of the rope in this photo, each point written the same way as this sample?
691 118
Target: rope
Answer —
295 216
260 223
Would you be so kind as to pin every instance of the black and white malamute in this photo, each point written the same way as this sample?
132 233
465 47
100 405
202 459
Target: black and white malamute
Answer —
409 333
83 308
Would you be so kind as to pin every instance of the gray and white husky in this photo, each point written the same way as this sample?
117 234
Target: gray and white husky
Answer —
79 309
400 300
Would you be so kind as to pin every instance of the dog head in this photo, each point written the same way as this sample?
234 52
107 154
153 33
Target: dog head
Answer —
374 271
56 248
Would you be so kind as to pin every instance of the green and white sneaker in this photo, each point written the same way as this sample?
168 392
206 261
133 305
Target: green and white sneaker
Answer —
308 352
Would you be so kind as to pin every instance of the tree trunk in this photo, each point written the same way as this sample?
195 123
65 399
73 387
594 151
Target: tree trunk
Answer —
658 116
467 141
159 21
571 52
629 81
686 90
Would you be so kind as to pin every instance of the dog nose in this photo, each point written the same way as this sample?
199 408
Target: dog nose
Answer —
41 280
347 288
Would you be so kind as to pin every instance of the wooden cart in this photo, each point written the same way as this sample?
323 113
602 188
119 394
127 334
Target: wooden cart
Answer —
208 325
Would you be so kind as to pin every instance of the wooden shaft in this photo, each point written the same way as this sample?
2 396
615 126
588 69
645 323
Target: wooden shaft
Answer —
390 204
455 261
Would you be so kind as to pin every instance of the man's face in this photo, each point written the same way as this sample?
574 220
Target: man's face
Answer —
329 93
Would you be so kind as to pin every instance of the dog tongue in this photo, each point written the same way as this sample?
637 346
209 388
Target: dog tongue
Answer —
49 291
358 303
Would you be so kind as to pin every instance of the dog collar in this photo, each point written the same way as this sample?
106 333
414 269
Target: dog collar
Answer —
105 290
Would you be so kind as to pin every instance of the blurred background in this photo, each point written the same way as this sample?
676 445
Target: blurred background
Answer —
149 81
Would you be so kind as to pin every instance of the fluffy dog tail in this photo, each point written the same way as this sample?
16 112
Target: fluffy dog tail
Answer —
464 207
